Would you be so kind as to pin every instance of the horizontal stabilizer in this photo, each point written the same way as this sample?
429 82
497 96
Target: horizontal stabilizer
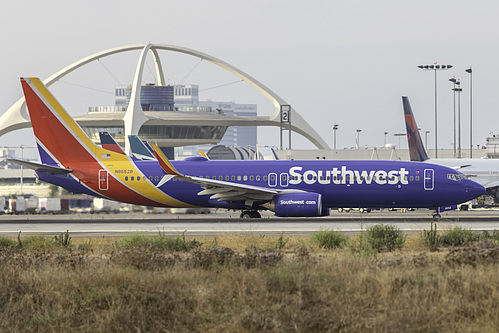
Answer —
41 167
163 180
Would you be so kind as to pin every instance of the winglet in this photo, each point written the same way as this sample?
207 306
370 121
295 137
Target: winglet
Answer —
164 162
203 154
416 148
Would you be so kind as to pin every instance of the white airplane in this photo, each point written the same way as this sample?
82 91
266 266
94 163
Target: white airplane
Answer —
483 171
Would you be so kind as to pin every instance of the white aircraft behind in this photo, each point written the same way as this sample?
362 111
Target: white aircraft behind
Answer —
483 171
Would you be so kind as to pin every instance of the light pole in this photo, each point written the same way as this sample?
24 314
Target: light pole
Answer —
358 137
471 110
399 135
335 128
453 80
426 139
22 169
435 68
458 90
385 137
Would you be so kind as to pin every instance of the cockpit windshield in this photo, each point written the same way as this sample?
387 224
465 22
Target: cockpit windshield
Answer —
456 176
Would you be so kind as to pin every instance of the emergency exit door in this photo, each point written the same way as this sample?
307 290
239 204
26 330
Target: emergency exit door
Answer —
429 179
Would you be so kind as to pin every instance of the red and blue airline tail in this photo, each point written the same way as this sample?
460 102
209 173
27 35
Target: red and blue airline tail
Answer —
107 142
416 148
63 143
60 139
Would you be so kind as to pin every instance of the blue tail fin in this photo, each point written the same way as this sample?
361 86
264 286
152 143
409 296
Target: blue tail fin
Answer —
416 148
139 149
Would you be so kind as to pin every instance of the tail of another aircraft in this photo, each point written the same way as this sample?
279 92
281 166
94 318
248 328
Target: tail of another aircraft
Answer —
107 142
416 148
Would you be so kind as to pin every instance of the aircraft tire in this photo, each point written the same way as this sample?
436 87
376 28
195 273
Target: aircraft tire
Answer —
245 214
255 214
250 214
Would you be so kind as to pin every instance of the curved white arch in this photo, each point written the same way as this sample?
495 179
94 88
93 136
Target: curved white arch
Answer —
16 116
134 116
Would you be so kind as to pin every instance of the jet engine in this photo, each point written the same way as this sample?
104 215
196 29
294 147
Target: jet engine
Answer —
297 204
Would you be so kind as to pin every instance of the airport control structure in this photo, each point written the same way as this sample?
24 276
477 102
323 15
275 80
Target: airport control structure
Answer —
157 112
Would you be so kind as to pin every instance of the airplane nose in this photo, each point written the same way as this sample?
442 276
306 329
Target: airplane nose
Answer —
474 189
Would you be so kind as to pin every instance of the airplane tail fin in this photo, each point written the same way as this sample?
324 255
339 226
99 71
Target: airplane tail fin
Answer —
59 138
107 142
275 154
417 151
139 149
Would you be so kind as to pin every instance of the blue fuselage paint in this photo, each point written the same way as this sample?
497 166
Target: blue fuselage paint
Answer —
368 184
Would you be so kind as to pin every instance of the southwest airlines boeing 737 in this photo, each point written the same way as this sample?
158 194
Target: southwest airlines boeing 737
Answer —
483 171
289 188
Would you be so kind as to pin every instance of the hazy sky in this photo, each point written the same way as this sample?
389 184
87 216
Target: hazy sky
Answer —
346 62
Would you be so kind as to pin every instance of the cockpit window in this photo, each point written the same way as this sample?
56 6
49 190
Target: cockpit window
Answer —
455 176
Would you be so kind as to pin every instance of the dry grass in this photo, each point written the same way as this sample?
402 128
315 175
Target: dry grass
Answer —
105 288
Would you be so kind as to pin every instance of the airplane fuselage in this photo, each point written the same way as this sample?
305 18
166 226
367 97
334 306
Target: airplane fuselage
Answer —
289 188
340 183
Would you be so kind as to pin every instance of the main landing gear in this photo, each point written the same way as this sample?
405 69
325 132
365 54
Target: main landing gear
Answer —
436 215
250 214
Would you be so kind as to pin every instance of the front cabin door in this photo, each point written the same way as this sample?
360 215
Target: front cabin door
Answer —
429 179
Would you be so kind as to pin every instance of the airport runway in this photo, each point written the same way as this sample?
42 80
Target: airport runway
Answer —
114 225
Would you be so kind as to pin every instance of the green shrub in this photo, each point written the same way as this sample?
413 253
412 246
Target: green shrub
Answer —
458 236
6 242
160 242
385 237
63 239
495 235
281 242
85 247
329 239
431 238
37 242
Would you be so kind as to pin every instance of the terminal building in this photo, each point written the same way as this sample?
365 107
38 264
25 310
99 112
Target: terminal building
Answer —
177 100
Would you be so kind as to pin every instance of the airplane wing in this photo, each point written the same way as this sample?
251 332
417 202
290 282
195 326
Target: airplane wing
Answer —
458 167
217 189
228 191
41 167
485 182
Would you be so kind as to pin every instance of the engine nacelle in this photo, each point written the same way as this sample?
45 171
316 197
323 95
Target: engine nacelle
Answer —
297 205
